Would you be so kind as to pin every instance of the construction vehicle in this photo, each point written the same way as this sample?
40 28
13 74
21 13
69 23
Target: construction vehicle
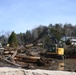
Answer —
54 50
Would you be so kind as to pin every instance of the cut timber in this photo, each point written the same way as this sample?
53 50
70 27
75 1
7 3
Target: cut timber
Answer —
29 45
15 53
9 52
28 57
10 62
31 57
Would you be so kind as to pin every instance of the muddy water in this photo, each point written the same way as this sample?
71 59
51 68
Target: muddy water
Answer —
66 64
70 64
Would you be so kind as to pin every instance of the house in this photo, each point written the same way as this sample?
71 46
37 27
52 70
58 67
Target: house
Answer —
72 40
65 38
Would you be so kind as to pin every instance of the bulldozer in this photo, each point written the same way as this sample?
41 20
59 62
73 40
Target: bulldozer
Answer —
54 50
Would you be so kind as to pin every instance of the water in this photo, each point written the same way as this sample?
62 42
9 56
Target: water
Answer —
70 64
66 64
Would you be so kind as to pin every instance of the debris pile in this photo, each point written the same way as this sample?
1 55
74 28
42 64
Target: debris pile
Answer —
28 58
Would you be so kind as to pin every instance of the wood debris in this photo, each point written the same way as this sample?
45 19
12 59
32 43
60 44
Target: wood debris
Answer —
23 57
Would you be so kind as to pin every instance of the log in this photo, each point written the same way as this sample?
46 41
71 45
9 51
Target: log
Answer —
10 62
28 57
14 54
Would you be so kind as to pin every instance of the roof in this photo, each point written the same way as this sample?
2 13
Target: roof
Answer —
67 37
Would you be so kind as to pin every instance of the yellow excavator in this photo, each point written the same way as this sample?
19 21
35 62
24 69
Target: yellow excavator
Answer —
54 50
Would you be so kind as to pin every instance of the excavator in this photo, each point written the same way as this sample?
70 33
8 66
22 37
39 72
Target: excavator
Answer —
54 50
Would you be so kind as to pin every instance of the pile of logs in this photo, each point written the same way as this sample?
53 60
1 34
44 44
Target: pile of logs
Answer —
19 57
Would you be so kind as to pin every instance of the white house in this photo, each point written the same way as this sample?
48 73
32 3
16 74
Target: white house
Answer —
73 41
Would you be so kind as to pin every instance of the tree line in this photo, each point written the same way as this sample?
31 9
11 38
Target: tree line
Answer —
58 30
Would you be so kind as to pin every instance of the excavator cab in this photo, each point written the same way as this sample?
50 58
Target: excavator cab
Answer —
55 52
52 48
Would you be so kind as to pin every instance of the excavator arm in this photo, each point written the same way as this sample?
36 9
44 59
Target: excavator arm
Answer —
45 31
52 49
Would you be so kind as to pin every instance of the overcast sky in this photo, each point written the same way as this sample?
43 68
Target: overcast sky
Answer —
22 15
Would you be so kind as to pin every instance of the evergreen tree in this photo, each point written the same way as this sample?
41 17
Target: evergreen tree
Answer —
68 42
12 40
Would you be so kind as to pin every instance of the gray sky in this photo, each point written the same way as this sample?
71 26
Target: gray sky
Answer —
22 15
